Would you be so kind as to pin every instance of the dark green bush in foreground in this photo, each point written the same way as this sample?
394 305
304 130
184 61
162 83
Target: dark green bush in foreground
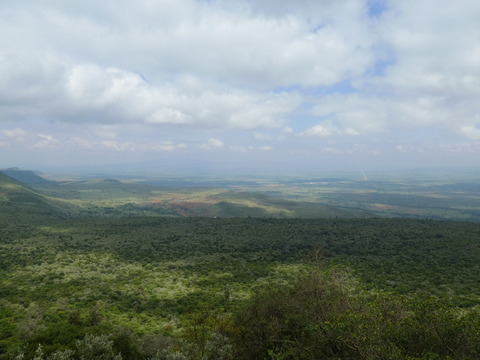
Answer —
327 316
161 288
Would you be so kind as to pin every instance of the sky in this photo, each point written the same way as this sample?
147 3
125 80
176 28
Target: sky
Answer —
249 85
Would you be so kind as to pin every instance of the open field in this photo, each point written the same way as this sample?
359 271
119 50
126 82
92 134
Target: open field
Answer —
114 198
432 195
419 195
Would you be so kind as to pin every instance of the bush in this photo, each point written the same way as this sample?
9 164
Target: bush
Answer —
328 316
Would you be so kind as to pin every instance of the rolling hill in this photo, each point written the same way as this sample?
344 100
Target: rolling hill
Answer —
27 177
114 198
18 200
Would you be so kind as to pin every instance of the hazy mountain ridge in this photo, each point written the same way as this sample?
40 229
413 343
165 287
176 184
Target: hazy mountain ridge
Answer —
114 198
17 200
413 195
27 177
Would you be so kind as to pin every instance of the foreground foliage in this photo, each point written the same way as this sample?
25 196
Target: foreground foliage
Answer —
203 288
326 315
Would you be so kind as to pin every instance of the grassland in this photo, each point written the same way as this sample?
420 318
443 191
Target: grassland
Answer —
114 198
441 196
447 196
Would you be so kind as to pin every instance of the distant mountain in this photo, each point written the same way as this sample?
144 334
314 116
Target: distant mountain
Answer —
113 198
18 201
27 177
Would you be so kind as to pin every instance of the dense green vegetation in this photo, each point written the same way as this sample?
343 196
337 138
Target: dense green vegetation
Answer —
327 316
153 287
65 279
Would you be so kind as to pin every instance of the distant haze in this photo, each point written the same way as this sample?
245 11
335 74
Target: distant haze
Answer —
256 86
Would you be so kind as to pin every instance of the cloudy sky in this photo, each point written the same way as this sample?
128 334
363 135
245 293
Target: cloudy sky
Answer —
261 85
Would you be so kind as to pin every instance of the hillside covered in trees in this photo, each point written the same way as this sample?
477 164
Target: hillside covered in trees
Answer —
165 287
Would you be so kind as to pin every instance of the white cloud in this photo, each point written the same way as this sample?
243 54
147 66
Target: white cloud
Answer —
262 137
169 116
117 145
320 131
351 132
104 131
100 142
212 143
434 79
62 74
215 142
409 149
83 142
327 129
121 75
431 81
16 134
110 95
46 141
471 131
273 136
241 148
167 146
